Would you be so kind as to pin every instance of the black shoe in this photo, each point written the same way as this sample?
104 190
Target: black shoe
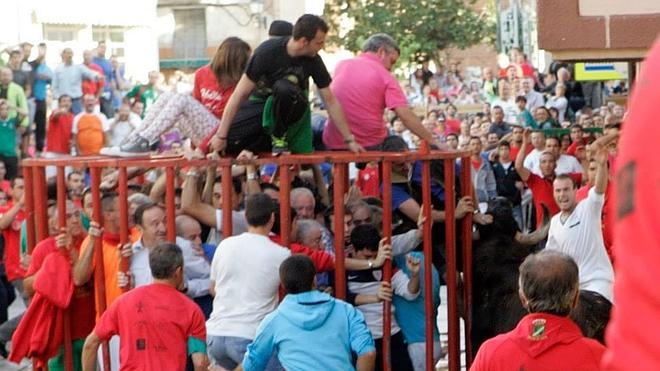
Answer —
136 147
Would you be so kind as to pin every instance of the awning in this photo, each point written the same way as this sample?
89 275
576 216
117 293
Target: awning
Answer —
125 13
168 64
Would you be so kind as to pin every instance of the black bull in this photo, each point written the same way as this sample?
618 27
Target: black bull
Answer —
497 254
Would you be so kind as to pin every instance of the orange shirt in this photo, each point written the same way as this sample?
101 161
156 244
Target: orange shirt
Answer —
89 129
111 261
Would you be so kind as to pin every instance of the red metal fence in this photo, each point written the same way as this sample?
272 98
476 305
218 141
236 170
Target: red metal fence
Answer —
37 226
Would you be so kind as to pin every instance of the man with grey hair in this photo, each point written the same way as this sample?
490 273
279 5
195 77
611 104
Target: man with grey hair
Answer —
365 87
546 338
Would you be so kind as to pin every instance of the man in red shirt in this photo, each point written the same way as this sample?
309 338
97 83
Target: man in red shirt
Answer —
58 135
545 339
632 335
11 217
82 303
541 187
159 326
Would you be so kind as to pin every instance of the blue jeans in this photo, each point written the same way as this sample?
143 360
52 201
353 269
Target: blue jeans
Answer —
228 352
76 105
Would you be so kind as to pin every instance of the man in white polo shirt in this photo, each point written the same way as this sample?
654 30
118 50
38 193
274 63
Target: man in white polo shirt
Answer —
576 230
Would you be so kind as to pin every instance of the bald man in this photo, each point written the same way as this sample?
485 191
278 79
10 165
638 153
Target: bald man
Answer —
546 338
197 268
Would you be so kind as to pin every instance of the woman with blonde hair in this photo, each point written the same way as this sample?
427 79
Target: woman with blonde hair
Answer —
197 116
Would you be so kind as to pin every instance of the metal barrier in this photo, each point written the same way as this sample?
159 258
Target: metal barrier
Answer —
37 230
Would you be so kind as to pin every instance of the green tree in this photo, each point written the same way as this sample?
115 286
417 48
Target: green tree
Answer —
423 28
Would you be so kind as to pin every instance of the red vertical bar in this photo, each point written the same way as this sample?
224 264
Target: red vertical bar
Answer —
452 297
227 211
40 211
386 170
428 263
466 237
170 206
29 206
99 266
285 203
339 189
122 190
61 221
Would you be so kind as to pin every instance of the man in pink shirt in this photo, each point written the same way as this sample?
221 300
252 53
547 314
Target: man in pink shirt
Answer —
365 87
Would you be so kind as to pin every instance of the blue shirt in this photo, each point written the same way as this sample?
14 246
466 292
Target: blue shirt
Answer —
67 80
40 86
310 331
106 66
410 313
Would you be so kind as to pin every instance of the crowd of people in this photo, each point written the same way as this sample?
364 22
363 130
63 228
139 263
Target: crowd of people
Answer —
230 307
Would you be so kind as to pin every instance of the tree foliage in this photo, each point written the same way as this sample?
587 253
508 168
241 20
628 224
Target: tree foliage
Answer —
423 28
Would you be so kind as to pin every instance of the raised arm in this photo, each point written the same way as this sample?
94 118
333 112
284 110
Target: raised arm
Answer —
600 153
192 205
520 159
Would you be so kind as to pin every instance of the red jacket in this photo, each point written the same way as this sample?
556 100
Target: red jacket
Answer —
540 342
41 331
323 262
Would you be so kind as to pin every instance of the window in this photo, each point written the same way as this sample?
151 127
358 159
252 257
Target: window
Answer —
189 34
59 32
114 37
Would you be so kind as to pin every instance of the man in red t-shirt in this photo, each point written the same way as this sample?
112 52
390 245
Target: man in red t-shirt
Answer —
545 339
541 187
58 134
81 309
11 217
93 87
158 325
632 336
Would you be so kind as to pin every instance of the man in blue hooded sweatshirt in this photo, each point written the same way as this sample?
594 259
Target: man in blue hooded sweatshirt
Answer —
311 328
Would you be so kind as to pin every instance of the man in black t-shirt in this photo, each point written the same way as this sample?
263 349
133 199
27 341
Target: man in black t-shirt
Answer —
276 80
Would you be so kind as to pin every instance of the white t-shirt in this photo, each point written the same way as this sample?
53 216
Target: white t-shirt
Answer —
245 269
238 222
121 129
581 237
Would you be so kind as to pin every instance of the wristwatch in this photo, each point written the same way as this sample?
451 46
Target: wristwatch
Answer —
252 176
350 139
371 264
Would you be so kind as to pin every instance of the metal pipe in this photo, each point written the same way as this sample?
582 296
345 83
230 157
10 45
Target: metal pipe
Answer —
338 219
61 221
40 191
386 170
285 204
122 188
99 266
450 245
170 205
428 263
227 209
466 237
29 207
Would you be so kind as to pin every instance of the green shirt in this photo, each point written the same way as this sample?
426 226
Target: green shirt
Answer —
526 120
8 137
145 93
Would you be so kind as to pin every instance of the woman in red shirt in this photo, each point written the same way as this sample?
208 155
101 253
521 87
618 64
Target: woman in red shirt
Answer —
196 116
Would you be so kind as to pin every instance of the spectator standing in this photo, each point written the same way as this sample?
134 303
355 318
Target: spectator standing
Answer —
89 129
566 164
508 181
95 85
160 325
43 77
559 101
109 79
505 99
483 179
58 136
8 137
329 330
534 156
68 78
525 118
22 77
13 94
546 338
146 93
11 217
